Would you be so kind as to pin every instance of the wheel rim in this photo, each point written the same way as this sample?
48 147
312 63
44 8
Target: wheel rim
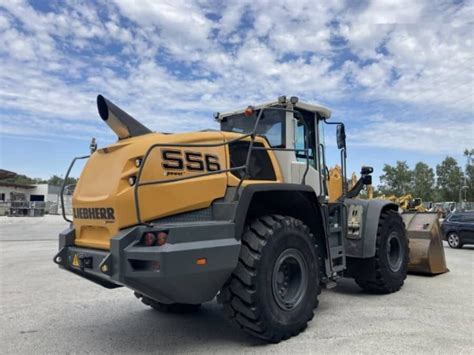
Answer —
394 252
289 279
453 240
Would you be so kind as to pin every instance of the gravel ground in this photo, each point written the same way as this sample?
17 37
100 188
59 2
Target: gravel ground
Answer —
47 310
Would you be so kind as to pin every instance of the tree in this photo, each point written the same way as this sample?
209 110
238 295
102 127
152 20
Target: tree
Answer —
469 175
23 180
470 182
423 182
397 179
450 179
58 181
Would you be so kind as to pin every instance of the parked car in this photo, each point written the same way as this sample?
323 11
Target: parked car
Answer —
458 229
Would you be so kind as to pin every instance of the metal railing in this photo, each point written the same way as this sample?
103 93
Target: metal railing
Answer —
63 186
245 168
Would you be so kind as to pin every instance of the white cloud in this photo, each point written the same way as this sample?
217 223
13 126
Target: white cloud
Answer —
172 63
439 137
390 12
181 24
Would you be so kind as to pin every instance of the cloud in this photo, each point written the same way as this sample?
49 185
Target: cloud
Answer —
438 137
172 63
389 12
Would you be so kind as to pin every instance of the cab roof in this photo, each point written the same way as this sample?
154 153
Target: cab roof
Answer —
323 111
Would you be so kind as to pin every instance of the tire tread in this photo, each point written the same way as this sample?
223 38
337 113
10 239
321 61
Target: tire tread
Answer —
238 295
381 285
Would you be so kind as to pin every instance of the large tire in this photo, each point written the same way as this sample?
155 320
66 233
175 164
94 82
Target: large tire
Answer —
454 241
168 308
273 291
391 256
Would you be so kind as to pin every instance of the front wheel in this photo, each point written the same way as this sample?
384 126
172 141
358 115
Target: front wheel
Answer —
273 291
391 256
454 241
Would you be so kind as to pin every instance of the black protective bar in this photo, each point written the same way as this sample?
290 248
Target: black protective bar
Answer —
343 161
245 167
61 195
181 145
325 170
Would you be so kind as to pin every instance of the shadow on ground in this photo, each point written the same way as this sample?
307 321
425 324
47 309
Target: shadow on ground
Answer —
150 330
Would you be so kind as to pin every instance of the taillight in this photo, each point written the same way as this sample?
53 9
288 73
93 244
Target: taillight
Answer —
162 236
149 239
154 238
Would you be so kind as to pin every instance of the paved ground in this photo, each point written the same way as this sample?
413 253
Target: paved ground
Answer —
47 310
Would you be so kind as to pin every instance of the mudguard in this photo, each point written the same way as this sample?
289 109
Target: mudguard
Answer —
295 200
363 219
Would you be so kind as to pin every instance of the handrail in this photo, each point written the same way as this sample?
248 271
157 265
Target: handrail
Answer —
245 167
61 195
324 168
343 155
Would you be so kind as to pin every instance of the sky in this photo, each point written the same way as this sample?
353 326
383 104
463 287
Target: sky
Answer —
399 73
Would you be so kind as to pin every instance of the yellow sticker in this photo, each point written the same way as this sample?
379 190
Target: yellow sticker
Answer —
75 260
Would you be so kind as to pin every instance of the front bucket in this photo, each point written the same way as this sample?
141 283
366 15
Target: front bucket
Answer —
426 245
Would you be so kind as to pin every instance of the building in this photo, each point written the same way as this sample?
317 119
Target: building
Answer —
27 199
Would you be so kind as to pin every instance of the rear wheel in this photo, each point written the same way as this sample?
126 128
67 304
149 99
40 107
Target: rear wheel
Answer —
454 241
273 291
168 308
391 256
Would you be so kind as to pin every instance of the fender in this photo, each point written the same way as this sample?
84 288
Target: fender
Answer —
363 246
296 200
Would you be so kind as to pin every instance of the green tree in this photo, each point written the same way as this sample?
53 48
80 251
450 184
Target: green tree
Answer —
23 180
470 182
58 181
450 179
423 182
469 174
396 179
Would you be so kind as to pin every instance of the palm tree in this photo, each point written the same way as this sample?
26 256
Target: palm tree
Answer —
468 154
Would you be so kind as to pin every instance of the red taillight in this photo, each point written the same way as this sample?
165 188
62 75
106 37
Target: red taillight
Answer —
162 238
149 239
154 238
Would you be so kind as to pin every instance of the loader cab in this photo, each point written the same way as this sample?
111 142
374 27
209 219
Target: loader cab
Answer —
292 131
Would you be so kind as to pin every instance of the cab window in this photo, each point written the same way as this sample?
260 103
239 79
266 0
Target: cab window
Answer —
300 144
271 126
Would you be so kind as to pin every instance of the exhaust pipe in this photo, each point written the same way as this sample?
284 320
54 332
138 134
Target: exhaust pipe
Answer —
124 125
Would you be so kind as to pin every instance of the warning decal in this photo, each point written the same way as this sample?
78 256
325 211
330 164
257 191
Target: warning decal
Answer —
75 260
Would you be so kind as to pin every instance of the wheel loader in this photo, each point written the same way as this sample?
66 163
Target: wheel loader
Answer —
242 213
423 229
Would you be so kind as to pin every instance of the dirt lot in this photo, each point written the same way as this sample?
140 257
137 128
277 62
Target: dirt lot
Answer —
47 310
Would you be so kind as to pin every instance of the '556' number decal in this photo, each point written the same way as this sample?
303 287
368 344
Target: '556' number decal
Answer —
191 161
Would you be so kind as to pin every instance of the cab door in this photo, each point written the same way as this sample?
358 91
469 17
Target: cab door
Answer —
305 163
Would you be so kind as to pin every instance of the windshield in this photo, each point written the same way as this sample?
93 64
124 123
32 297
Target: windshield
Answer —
271 125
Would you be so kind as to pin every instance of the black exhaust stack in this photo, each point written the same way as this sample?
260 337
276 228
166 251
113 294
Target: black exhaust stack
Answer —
124 125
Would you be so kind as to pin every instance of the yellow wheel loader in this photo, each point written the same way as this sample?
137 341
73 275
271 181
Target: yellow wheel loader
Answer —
242 214
423 230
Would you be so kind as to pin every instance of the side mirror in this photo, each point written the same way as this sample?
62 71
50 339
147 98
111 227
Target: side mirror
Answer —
366 170
341 136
